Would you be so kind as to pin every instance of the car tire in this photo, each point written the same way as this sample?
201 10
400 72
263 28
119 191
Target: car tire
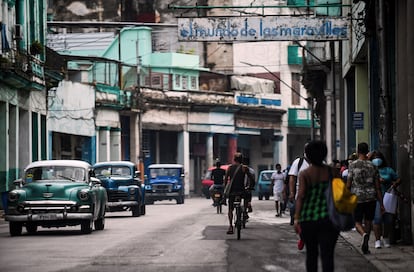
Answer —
15 228
31 228
260 196
143 209
267 197
136 211
86 227
100 223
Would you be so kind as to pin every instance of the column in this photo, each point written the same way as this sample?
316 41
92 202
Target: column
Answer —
104 144
231 147
209 150
328 125
115 146
183 157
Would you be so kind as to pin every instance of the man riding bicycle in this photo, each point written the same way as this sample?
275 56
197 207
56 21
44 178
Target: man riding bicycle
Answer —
236 174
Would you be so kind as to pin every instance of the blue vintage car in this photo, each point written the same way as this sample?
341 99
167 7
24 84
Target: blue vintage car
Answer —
123 186
165 182
264 184
56 193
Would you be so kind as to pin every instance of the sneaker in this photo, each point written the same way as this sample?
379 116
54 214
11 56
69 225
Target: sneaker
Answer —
387 242
364 246
378 244
301 244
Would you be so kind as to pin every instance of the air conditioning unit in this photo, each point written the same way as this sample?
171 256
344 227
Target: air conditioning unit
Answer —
18 32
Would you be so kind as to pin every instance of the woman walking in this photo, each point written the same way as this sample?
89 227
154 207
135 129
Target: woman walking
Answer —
311 215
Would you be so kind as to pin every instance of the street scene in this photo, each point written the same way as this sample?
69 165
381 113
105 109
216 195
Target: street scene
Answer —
189 237
128 129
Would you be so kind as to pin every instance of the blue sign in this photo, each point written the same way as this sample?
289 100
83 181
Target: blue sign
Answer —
358 120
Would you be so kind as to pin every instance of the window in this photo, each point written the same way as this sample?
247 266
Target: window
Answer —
185 82
178 81
156 81
193 83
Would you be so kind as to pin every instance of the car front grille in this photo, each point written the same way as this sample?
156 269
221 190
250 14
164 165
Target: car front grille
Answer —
114 196
162 188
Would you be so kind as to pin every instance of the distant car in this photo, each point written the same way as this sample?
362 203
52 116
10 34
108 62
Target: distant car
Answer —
264 187
165 182
123 186
56 193
206 182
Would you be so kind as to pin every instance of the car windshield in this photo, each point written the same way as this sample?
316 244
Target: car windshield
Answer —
169 172
55 173
119 171
208 174
266 176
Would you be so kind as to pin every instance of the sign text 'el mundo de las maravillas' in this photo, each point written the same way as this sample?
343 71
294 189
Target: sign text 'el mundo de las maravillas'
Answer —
270 28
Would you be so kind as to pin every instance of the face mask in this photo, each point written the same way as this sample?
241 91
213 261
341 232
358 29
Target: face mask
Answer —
377 161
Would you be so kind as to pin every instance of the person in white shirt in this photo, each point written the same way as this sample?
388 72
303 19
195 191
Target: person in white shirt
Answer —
278 178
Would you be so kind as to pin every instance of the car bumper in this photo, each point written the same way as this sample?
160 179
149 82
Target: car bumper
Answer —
49 217
122 204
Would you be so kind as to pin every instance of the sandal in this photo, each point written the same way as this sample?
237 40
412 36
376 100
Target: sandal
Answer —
230 231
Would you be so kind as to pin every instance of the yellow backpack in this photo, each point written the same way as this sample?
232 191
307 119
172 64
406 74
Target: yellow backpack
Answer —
344 200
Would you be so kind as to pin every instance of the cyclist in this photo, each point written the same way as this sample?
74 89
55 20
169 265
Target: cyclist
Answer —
217 175
236 175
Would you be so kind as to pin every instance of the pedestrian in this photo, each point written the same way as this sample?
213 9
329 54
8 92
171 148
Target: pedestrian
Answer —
344 173
311 214
388 180
277 183
298 165
363 180
236 175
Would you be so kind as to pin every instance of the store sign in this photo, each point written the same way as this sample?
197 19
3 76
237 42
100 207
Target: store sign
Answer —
269 28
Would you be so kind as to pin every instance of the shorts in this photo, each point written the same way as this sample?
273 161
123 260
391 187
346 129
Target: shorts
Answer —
232 197
278 196
365 210
385 218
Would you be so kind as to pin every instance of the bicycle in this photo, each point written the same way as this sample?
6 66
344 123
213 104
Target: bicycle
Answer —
241 213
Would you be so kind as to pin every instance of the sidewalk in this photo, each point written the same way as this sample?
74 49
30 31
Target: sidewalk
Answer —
395 258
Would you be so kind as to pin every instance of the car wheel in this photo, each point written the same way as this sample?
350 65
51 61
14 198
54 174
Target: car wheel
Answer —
180 199
100 223
136 211
15 228
267 197
86 227
149 201
143 209
31 228
260 196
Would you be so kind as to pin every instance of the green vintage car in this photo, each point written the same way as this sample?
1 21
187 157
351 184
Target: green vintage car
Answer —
57 193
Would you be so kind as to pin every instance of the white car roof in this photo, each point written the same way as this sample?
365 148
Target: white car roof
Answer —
74 163
165 165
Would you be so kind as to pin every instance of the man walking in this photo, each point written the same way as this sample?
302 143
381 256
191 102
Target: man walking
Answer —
363 180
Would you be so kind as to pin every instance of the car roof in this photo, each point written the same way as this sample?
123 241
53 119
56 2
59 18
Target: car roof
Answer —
75 163
267 171
165 165
117 163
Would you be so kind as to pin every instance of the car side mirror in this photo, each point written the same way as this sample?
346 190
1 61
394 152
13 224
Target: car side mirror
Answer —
137 174
18 183
91 173
95 181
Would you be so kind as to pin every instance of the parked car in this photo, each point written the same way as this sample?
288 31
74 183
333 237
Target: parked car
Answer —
123 186
206 182
56 193
264 186
165 182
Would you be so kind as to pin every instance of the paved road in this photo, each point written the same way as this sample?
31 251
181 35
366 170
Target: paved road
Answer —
189 237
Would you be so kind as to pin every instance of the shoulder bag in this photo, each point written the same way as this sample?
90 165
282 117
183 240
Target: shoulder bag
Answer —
229 184
344 220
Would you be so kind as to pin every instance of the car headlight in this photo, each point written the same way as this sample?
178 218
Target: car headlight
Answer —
132 191
83 195
13 196
148 187
177 187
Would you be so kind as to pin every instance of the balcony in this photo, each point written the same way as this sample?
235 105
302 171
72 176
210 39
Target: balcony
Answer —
112 97
300 118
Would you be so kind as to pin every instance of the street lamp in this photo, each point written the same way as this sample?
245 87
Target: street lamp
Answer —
307 99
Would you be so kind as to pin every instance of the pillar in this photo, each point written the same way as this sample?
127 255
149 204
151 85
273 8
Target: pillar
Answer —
231 147
209 150
183 157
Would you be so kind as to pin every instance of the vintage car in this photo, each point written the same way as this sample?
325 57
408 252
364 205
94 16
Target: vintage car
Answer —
264 184
123 186
165 182
56 193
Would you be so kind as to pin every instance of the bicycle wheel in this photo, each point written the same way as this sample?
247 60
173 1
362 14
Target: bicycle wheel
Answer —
238 221
244 218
